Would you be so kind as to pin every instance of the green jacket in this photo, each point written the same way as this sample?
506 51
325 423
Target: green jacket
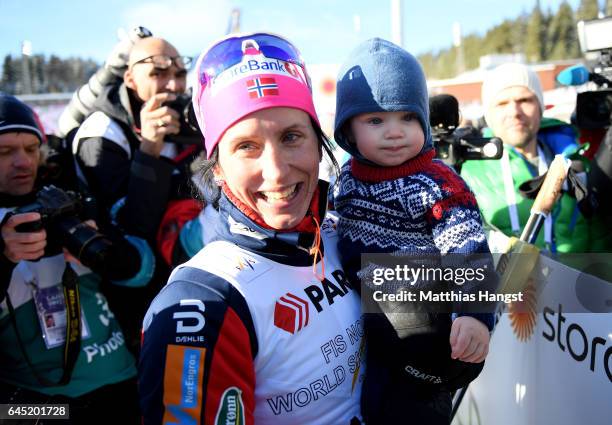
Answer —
571 231
103 359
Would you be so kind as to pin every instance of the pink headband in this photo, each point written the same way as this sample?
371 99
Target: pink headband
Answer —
256 83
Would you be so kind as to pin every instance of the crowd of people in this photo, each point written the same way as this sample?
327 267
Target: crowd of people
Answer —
220 282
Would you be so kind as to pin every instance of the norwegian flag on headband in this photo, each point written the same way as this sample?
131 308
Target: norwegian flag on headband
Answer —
260 87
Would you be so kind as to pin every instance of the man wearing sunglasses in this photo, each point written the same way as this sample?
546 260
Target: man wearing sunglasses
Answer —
121 155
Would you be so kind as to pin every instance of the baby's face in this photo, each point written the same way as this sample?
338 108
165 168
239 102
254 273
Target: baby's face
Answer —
388 138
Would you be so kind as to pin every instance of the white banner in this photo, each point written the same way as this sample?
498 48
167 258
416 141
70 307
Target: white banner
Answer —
551 363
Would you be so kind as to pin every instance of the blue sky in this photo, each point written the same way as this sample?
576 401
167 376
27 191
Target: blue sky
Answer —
323 30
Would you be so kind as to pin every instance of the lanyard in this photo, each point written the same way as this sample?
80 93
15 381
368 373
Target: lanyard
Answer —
511 195
548 221
72 345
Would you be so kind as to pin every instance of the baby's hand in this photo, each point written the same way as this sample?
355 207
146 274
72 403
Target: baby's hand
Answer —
469 340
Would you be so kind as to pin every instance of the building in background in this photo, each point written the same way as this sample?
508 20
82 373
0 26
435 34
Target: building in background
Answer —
560 100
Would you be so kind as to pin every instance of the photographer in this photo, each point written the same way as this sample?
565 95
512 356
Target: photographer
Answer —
127 166
120 149
59 341
513 102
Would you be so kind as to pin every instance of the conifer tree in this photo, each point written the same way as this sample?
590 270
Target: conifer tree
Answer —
535 43
588 9
563 40
9 77
541 35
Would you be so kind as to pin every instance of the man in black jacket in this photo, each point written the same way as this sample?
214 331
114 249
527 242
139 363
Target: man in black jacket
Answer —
120 149
122 158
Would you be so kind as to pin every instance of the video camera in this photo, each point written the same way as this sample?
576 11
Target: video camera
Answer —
61 215
455 145
594 107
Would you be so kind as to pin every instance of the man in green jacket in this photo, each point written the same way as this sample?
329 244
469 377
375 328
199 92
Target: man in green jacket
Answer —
513 102
44 357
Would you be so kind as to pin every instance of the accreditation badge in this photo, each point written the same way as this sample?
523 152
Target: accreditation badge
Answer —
51 309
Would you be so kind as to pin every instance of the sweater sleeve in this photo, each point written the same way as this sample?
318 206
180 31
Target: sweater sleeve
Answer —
455 219
457 230
198 346
349 250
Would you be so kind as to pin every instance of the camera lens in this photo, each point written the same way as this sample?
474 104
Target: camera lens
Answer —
84 242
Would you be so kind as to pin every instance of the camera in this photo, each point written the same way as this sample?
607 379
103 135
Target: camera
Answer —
455 145
594 107
189 133
61 215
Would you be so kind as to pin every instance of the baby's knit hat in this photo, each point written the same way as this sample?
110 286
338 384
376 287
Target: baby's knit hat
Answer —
380 76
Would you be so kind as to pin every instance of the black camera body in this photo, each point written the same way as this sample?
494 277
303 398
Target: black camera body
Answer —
52 204
61 215
189 133
594 107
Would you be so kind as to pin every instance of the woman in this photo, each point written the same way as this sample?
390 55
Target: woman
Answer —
260 326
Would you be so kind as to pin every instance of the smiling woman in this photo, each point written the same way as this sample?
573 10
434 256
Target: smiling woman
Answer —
263 314
274 158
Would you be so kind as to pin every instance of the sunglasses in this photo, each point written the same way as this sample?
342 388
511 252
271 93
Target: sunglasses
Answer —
231 51
164 62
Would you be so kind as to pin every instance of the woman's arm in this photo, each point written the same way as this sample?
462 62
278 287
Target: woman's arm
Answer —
197 354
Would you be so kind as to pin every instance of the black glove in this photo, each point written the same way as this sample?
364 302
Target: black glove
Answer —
415 345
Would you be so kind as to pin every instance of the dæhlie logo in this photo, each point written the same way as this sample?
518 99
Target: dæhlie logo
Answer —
291 313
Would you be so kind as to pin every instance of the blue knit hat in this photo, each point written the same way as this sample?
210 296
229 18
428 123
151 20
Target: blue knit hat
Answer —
16 116
380 77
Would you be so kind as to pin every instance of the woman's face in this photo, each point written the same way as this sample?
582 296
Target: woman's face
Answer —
270 162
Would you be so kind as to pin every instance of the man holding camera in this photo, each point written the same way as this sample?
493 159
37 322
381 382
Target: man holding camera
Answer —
120 149
514 104
59 341
122 158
